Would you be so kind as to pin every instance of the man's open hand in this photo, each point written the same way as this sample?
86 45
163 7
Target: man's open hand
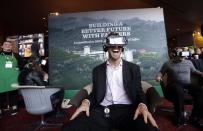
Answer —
142 109
83 107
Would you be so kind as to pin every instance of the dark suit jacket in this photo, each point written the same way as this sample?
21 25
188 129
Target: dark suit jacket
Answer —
131 82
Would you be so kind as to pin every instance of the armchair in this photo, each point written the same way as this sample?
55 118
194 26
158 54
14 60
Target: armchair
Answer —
40 100
152 96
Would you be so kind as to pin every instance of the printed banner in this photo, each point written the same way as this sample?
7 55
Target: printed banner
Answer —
75 43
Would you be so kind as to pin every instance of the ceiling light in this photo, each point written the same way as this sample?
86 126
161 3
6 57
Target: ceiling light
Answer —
55 13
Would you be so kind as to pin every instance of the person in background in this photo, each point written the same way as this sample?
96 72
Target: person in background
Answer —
33 74
176 75
117 99
191 52
201 49
7 49
10 62
198 63
185 48
197 53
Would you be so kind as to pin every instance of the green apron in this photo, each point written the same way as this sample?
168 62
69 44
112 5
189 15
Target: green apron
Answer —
8 72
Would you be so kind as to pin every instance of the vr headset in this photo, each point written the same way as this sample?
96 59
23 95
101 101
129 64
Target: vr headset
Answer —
181 53
114 40
184 53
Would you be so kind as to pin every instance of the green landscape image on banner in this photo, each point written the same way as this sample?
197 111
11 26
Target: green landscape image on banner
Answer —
75 43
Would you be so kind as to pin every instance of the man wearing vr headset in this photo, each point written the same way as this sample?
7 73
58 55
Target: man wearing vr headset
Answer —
176 77
117 100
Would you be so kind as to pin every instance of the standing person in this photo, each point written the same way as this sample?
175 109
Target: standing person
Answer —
176 74
117 99
10 64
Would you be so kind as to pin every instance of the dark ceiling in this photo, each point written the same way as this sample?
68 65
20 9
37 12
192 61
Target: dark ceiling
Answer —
26 16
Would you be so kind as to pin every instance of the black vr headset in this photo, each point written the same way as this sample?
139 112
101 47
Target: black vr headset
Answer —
113 39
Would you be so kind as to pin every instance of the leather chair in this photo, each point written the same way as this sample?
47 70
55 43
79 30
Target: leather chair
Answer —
40 100
152 96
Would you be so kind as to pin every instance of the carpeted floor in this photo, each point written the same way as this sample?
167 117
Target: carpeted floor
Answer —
24 121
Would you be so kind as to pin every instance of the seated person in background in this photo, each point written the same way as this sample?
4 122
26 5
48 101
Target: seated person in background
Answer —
178 71
32 74
117 99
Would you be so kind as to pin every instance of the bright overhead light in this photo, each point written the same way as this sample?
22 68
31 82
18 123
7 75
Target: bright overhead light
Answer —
55 13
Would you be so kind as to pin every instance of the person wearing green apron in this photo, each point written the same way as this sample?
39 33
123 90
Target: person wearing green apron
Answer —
10 63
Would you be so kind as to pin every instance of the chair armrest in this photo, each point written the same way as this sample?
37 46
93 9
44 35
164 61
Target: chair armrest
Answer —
153 99
77 99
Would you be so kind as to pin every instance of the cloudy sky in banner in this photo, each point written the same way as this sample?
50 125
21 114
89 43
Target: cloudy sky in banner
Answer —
143 14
